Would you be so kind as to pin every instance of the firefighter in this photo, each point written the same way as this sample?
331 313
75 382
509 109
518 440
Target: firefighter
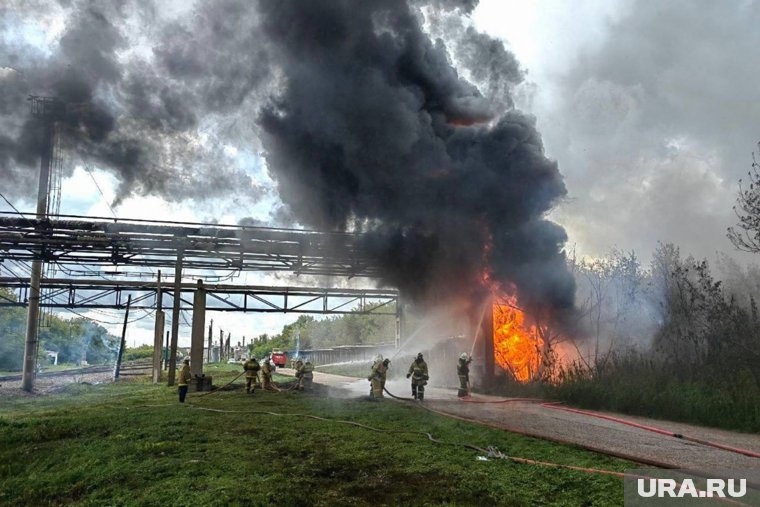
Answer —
308 374
251 368
299 375
377 377
184 380
419 373
266 376
386 363
463 370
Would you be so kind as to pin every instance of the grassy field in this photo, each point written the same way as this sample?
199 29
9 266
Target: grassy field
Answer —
132 444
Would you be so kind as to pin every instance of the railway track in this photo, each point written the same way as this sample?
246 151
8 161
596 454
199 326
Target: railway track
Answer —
130 368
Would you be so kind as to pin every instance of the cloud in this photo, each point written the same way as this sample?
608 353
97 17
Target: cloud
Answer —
654 124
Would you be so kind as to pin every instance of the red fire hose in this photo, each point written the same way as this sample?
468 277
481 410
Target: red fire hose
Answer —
468 399
653 429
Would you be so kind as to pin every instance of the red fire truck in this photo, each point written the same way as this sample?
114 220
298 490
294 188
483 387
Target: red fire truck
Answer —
279 358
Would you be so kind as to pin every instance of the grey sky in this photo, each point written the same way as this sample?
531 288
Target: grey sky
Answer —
653 120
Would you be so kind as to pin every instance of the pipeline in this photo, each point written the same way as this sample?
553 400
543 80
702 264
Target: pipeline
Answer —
654 429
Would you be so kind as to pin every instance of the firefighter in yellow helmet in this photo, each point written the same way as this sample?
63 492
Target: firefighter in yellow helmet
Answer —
266 376
419 373
463 370
377 377
386 363
251 368
184 379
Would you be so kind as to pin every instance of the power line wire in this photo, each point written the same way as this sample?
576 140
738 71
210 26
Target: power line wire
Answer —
11 205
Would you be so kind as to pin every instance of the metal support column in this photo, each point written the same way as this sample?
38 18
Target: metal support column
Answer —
199 327
400 323
158 336
175 319
123 342
33 313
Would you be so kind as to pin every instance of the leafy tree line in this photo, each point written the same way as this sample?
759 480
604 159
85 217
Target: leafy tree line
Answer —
679 339
311 333
75 340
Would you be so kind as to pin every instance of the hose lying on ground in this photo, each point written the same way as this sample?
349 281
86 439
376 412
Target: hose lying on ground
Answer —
467 399
558 406
490 452
738 450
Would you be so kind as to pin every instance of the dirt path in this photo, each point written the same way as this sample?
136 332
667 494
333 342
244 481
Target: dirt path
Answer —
589 432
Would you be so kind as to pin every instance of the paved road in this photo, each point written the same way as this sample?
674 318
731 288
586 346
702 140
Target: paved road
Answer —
597 434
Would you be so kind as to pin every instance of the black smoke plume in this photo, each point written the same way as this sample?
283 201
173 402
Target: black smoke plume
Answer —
375 131
365 122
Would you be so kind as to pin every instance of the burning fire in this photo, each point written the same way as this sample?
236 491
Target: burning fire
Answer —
517 347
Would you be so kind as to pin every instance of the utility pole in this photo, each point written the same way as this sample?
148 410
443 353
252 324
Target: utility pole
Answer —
123 342
48 110
221 346
158 333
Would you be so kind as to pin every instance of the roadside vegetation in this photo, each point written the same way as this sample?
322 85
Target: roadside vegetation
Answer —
131 443
74 339
310 333
673 341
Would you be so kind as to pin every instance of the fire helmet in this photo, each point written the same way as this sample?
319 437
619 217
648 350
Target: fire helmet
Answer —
387 362
378 358
419 356
464 356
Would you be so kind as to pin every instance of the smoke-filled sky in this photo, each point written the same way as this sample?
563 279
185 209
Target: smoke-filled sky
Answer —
650 110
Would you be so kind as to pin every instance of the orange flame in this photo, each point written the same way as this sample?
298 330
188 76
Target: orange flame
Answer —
517 347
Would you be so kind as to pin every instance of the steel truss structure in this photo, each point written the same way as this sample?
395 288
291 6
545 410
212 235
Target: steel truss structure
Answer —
106 294
69 239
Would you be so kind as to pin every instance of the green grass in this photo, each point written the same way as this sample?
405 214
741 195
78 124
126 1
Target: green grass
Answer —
652 390
132 444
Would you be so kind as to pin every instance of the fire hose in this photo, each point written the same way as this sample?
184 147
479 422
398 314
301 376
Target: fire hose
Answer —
490 452
293 386
653 429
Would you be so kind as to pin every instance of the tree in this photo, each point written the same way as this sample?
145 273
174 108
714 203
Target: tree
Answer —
746 234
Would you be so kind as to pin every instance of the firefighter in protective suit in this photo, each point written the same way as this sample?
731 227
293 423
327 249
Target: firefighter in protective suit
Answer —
463 370
266 376
304 374
183 380
419 373
251 368
308 374
377 377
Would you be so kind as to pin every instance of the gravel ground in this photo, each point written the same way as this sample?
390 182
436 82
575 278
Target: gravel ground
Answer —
589 432
49 385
